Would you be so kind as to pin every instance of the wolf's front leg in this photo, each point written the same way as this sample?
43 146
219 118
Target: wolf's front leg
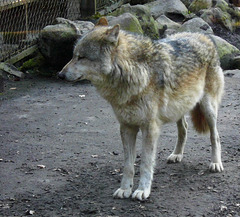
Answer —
150 138
128 135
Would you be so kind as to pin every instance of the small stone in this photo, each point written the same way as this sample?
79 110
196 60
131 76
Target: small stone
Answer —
41 166
223 208
30 212
94 156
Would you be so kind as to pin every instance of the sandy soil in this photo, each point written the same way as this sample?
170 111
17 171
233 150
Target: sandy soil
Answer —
61 155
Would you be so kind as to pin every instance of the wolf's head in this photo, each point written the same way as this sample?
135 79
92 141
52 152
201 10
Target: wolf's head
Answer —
92 55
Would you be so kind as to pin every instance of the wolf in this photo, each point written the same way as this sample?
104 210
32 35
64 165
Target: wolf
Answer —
148 84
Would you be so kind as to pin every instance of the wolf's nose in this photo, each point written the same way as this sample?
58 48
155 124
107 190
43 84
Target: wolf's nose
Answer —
61 75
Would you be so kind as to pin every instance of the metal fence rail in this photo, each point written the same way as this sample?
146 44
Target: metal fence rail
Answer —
22 20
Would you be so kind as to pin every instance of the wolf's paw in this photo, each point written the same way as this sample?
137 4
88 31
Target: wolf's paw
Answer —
175 158
141 194
216 167
122 193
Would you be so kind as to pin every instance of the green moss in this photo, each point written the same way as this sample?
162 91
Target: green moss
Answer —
33 63
68 34
149 26
134 26
222 5
142 13
198 5
96 16
236 24
38 65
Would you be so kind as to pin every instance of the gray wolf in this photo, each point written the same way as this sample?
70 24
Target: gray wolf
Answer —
150 83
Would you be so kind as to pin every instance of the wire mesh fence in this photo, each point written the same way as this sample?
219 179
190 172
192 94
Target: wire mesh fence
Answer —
22 20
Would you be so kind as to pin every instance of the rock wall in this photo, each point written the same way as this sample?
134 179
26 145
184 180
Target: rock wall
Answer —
157 20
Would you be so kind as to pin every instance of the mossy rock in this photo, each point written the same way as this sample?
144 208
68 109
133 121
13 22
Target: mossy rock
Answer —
231 18
164 21
226 52
222 4
127 21
217 15
196 25
148 24
56 43
198 5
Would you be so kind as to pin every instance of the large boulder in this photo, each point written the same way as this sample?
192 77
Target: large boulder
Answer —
166 7
127 21
148 24
164 21
222 4
196 25
226 52
56 42
167 26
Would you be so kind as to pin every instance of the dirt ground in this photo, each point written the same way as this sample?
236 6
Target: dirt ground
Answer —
61 155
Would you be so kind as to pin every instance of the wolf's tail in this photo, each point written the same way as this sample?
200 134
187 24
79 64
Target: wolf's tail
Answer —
199 121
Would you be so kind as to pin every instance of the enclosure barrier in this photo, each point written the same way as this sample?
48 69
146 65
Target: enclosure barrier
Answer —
22 20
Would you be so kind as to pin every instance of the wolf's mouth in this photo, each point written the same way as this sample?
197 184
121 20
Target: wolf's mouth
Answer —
66 78
81 78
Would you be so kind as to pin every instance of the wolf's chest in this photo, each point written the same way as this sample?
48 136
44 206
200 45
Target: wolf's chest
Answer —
135 114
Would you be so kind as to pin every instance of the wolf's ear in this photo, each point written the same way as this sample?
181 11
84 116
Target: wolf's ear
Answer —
113 33
102 22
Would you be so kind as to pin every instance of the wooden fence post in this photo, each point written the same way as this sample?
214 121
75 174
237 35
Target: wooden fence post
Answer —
88 7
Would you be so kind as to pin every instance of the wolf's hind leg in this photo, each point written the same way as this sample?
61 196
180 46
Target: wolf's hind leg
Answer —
209 107
128 136
150 134
177 154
